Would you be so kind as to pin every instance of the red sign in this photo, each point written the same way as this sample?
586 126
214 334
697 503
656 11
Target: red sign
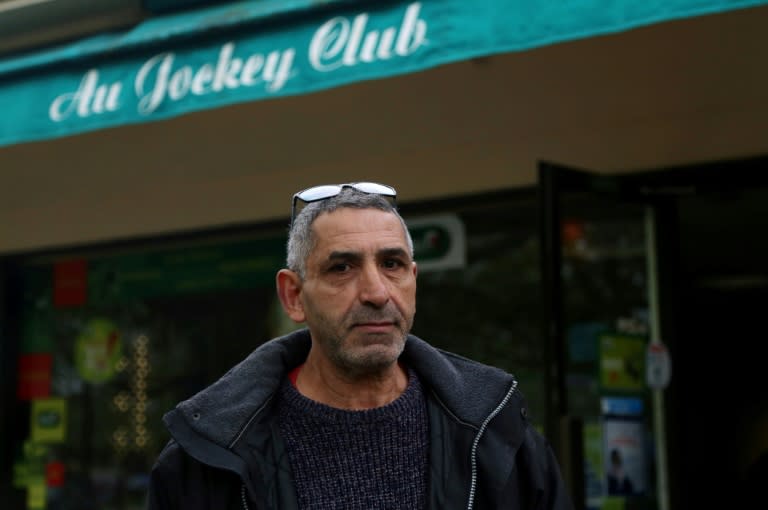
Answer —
70 283
54 474
34 376
573 230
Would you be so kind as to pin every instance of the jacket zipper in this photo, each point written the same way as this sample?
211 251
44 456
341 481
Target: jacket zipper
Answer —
237 438
473 456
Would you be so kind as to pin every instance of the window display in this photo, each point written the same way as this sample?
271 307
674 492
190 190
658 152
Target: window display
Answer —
110 341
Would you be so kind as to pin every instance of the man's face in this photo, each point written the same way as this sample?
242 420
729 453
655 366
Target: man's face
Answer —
359 293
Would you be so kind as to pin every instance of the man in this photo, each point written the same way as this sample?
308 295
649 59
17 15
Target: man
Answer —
353 412
619 482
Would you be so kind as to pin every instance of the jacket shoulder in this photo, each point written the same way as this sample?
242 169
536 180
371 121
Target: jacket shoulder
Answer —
220 411
469 389
178 481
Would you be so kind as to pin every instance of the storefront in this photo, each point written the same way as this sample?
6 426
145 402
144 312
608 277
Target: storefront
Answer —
144 212
652 281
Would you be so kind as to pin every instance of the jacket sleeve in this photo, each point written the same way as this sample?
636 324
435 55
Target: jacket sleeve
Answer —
553 494
179 482
165 479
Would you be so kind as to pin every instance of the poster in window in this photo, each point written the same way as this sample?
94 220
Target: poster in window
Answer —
624 457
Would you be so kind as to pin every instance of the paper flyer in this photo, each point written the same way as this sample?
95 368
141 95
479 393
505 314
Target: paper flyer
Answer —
48 420
624 457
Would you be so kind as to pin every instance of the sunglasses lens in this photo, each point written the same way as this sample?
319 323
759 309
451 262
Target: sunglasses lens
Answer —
375 188
318 193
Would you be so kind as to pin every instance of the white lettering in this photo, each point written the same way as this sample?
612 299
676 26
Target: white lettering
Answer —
278 69
203 77
355 35
341 43
148 102
106 98
327 43
227 69
251 69
367 52
90 97
113 98
413 32
384 51
180 83
157 79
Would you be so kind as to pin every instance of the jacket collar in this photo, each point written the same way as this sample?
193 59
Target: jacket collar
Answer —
222 412
456 381
210 424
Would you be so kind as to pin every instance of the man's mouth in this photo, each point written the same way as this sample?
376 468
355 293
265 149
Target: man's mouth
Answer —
375 327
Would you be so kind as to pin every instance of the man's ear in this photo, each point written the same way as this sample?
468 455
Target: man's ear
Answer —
289 292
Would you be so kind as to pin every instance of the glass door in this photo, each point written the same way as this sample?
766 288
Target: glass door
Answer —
609 366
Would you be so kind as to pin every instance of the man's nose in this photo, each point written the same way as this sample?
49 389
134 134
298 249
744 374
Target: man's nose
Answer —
373 287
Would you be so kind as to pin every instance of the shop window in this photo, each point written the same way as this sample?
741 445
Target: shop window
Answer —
489 309
109 342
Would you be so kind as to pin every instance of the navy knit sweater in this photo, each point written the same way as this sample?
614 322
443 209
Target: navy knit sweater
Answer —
374 459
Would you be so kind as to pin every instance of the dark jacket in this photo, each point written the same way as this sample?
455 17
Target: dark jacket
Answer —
227 454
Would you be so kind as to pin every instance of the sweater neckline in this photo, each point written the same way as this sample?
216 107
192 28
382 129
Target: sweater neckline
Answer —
395 409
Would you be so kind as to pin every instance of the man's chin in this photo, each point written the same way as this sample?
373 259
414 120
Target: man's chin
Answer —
373 360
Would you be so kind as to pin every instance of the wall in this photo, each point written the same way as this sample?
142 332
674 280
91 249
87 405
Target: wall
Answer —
673 93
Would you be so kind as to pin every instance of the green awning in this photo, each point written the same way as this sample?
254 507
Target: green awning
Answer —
252 50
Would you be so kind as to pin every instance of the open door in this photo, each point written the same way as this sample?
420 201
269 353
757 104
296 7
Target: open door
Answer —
610 368
639 269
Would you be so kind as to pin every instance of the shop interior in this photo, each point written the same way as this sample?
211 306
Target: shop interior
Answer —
718 406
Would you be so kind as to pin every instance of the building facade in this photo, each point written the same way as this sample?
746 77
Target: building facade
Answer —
139 250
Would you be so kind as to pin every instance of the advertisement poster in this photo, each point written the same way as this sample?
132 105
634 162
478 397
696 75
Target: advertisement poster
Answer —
624 457
622 362
34 376
48 420
594 474
98 350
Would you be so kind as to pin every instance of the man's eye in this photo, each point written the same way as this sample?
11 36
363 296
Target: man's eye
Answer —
339 268
393 263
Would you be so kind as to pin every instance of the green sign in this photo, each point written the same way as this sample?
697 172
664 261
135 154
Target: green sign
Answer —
98 350
438 241
185 270
622 362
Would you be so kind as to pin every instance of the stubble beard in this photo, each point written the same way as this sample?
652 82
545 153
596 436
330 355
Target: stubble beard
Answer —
356 356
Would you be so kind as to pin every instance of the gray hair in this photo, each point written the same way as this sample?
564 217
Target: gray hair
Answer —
300 238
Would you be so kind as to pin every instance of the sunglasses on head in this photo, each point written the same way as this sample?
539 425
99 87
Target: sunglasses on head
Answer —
326 191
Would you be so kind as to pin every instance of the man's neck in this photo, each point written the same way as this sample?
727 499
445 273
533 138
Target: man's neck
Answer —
322 382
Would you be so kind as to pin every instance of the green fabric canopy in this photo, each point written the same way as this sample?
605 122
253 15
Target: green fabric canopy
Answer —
247 51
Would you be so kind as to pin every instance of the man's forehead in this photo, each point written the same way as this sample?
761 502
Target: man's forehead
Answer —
359 226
